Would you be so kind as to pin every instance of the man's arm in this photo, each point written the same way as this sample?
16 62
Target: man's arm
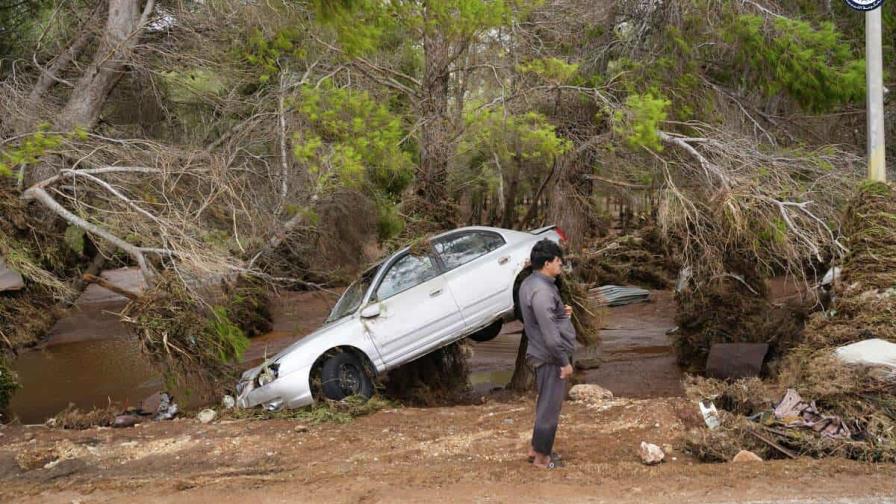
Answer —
542 301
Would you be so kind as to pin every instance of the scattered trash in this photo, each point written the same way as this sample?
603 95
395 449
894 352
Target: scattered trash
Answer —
122 421
871 352
228 402
10 280
207 415
684 278
832 275
167 407
589 392
651 454
746 456
735 360
614 295
710 414
793 411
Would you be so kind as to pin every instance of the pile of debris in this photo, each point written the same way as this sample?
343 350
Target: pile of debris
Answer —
638 258
844 367
196 346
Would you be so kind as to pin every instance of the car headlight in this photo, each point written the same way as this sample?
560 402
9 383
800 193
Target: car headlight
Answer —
267 375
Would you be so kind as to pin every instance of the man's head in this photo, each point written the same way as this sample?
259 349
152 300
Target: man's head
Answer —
547 257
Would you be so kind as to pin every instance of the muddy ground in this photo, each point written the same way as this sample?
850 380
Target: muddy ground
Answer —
465 453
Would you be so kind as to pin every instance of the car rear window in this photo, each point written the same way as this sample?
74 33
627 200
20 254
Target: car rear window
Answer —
459 249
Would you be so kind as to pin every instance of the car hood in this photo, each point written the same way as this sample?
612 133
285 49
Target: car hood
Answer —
292 357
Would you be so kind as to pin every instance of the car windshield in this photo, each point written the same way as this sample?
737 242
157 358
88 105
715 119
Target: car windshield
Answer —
352 297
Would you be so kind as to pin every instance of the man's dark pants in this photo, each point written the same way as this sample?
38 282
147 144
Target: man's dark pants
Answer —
551 391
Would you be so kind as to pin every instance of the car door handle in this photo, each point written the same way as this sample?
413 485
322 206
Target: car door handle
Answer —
503 260
437 292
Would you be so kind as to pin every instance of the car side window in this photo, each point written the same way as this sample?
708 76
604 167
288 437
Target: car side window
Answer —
456 250
407 272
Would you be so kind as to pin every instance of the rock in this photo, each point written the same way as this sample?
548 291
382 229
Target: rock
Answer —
302 428
651 454
125 421
228 402
746 456
588 363
10 280
151 404
206 415
589 392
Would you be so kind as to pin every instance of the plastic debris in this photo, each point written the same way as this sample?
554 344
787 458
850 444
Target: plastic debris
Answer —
167 407
710 414
871 352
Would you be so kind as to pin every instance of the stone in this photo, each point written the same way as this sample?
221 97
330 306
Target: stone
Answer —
651 454
122 421
206 415
304 428
151 404
589 392
10 280
746 456
588 363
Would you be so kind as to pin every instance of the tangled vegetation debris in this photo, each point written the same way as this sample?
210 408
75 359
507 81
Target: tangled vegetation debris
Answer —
863 396
638 258
327 411
8 384
196 346
439 377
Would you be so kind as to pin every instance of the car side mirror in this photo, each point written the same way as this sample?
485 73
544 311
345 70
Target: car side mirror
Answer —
371 311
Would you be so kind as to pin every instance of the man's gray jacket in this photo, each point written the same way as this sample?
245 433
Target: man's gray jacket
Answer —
552 337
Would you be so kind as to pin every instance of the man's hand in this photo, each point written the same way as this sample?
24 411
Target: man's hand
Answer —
568 310
566 371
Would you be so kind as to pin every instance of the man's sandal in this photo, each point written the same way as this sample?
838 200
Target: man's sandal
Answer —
554 456
553 464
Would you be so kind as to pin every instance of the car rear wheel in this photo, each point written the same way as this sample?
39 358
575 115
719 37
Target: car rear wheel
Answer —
343 375
487 333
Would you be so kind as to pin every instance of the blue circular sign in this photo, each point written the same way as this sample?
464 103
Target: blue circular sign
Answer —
864 5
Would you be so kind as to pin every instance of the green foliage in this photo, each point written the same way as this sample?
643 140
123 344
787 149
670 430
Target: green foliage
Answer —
350 140
639 120
390 223
267 52
8 383
231 340
74 238
553 70
30 149
528 136
814 66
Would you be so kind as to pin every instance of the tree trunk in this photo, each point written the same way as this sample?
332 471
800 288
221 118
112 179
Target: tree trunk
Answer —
114 52
435 144
521 381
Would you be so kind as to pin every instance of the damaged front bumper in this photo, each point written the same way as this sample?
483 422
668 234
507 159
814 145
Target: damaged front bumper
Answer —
263 386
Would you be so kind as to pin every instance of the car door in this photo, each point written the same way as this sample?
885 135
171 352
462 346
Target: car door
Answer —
416 310
479 273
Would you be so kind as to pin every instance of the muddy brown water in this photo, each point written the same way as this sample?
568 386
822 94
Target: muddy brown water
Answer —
90 359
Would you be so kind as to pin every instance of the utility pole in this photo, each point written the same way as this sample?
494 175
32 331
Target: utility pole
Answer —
877 166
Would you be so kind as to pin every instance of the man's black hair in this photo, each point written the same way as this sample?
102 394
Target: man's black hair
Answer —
544 251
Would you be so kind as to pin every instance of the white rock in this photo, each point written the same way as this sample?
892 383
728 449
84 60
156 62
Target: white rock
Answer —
589 392
206 415
651 453
746 456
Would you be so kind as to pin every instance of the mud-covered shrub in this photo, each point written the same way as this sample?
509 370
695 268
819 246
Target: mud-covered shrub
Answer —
195 345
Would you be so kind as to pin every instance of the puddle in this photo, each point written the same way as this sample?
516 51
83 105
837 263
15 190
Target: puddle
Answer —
485 381
86 373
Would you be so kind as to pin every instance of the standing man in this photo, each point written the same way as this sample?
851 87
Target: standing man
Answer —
551 342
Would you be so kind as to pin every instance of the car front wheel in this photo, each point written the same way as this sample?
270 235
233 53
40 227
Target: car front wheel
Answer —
343 375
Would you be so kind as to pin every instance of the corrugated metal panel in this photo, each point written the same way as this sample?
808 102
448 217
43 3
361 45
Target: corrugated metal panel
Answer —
615 295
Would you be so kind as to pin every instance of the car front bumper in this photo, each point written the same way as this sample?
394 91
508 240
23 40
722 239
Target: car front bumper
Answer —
292 390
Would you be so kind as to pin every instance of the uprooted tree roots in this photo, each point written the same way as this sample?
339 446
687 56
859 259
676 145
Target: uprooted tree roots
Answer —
637 258
194 345
436 378
864 397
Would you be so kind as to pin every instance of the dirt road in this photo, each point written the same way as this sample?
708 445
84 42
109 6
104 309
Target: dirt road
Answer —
467 453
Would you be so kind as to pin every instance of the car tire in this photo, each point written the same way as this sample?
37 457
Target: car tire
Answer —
343 375
487 333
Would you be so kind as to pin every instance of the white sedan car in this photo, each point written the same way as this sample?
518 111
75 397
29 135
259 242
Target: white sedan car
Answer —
401 309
